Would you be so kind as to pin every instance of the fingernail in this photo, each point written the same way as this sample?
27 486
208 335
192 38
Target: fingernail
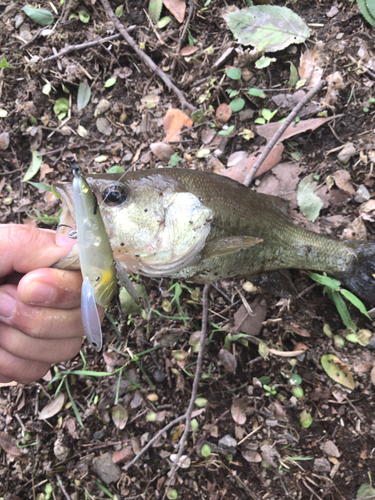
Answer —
39 293
63 241
7 305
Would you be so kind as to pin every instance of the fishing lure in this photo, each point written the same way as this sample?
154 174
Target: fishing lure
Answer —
97 264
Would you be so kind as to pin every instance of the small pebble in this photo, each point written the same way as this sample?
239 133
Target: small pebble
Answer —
227 442
18 20
158 376
362 194
321 465
346 153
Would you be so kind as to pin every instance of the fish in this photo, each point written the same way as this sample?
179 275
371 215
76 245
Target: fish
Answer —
96 258
203 227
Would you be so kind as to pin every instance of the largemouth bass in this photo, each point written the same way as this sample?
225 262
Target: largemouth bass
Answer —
200 226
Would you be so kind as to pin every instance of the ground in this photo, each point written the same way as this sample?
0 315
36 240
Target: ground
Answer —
266 453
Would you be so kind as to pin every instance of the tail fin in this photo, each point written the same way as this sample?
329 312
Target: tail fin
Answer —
360 277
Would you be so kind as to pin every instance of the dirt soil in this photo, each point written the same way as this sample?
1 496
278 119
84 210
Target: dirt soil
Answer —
258 448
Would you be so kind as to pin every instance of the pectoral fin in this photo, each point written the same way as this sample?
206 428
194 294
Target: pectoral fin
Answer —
227 245
125 281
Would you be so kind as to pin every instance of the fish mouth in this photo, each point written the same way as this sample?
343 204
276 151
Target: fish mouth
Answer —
67 225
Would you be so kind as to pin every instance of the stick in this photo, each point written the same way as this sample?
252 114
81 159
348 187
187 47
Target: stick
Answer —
250 176
194 391
143 450
183 34
144 57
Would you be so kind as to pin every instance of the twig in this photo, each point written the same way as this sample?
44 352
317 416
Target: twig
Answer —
155 438
250 176
311 490
183 34
67 496
80 46
144 57
194 391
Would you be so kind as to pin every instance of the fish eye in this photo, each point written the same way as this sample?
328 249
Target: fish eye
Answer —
114 195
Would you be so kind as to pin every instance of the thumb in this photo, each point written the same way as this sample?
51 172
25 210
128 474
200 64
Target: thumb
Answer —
25 248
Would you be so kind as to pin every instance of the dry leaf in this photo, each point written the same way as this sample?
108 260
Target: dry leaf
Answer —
310 66
173 122
228 360
177 8
238 410
251 456
223 112
188 51
269 130
335 83
299 330
342 179
9 444
162 151
119 416
281 181
239 171
251 325
53 407
356 230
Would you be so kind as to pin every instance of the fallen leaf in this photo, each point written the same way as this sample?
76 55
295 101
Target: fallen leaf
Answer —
269 130
150 101
335 83
356 230
188 51
240 170
9 444
337 370
228 360
281 181
119 416
238 410
53 407
308 201
162 151
251 325
123 455
223 112
177 8
251 456
299 330
44 170
342 179
173 122
310 66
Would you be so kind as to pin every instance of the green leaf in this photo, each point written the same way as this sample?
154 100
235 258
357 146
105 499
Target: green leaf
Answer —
174 159
3 113
234 73
325 280
83 95
363 7
341 308
268 27
46 89
293 77
308 201
163 22
116 169
337 370
61 106
40 16
44 187
237 104
264 380
257 93
264 62
305 419
110 82
119 11
370 4
4 63
34 167
206 450
268 114
154 9
365 490
228 131
84 16
355 301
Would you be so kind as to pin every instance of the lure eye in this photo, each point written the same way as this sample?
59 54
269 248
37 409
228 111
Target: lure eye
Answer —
114 195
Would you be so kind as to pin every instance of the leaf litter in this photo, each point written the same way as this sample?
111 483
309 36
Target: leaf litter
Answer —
127 140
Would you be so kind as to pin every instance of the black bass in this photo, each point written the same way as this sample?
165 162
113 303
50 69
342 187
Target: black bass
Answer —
200 226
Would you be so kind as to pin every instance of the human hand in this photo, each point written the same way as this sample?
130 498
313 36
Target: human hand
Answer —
40 314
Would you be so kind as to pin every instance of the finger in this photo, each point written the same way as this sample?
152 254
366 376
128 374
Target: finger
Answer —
39 322
20 370
35 349
51 288
25 248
